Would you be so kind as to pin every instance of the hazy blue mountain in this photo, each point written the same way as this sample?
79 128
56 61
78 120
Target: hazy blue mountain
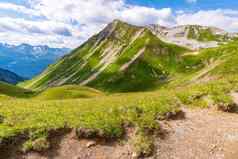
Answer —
27 60
9 77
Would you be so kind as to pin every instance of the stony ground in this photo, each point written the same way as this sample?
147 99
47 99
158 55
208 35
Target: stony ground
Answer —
204 134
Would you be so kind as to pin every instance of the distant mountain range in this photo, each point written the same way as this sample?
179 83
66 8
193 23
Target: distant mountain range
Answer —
9 77
27 60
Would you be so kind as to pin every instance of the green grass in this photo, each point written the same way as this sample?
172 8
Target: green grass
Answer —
143 145
8 90
68 92
105 113
209 94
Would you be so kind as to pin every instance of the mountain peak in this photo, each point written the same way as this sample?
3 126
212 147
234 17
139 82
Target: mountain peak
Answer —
121 54
115 21
117 29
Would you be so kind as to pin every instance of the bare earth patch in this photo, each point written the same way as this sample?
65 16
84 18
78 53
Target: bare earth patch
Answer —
71 147
204 134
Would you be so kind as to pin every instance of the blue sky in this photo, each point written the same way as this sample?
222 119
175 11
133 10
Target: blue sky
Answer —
184 5
71 22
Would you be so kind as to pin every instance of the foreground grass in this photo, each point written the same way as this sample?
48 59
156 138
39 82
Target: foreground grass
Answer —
210 94
108 116
11 92
105 114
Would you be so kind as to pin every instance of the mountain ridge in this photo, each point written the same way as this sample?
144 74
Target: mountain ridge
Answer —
27 60
192 36
10 77
106 58
124 57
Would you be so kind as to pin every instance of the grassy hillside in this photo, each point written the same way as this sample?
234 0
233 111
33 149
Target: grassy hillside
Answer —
120 58
106 117
68 92
13 91
214 79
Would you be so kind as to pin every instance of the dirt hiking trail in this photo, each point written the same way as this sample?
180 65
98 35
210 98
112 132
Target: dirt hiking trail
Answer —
203 134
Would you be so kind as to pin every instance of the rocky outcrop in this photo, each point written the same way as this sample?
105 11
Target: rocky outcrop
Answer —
192 36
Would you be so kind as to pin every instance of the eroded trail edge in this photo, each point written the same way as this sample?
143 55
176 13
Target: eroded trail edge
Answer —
204 134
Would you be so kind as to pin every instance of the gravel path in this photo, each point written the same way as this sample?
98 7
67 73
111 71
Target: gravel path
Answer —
204 134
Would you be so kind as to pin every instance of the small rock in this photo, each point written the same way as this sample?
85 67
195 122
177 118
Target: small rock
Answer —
212 148
135 155
90 144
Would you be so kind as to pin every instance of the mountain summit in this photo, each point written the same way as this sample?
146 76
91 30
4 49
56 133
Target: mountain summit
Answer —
122 57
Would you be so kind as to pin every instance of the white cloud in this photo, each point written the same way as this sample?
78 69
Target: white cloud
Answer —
96 13
225 19
142 15
18 8
79 18
70 22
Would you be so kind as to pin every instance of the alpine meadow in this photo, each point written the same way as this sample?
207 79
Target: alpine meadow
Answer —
146 82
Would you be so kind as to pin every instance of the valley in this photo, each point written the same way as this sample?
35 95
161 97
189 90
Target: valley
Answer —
128 93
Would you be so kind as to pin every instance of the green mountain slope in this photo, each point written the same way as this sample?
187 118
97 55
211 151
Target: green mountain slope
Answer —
122 57
8 90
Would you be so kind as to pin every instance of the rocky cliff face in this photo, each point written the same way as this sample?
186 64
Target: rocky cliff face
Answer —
192 36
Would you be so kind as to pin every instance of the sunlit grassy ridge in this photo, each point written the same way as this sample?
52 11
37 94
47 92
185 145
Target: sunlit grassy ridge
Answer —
13 91
68 92
8 91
